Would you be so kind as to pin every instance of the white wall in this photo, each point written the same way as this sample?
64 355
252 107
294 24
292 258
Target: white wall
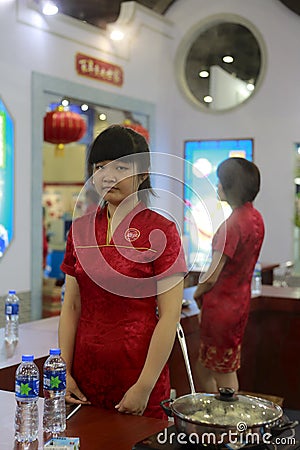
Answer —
271 117
28 45
226 90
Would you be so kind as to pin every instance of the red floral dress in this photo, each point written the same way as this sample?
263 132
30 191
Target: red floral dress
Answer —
117 279
225 307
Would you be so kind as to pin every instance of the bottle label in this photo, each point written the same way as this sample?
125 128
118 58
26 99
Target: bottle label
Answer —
55 380
257 270
27 388
11 309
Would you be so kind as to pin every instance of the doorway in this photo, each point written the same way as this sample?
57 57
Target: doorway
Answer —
45 91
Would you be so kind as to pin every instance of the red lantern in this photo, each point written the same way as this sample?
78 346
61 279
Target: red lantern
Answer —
138 128
62 127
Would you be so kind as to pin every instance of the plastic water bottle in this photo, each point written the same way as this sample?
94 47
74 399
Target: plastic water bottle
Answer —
12 317
27 394
62 294
54 418
256 280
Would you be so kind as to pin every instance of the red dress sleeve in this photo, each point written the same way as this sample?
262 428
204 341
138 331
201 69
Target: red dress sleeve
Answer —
45 246
68 264
227 238
171 261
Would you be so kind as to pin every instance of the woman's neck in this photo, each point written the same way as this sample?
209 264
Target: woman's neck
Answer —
237 206
124 207
117 212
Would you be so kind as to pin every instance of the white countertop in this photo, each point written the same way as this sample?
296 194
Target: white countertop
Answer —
7 423
35 338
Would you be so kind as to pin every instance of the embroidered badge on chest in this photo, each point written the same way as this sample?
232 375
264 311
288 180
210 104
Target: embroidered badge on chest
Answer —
132 234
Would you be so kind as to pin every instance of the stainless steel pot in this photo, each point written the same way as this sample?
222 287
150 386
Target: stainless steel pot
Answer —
224 418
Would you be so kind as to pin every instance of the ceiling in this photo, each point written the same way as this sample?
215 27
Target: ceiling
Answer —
293 5
206 51
102 12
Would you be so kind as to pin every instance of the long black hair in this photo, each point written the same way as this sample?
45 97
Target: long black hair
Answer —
116 142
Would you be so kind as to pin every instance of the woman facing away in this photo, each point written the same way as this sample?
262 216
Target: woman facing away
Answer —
224 291
124 268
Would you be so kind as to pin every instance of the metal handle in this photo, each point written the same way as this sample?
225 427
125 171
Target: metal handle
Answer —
166 408
183 346
276 430
226 394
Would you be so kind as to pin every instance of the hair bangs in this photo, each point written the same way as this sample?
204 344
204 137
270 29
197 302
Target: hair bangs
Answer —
110 145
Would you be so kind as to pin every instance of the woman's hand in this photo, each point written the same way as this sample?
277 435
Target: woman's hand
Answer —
73 393
134 401
199 291
199 317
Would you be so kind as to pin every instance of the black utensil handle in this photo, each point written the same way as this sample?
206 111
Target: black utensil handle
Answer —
278 429
167 409
226 394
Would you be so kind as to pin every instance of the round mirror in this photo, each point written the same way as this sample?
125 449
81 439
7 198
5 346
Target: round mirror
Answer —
220 62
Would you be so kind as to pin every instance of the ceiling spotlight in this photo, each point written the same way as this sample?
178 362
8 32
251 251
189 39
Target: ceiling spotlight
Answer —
65 102
250 87
208 99
84 107
102 116
203 74
49 8
228 59
117 35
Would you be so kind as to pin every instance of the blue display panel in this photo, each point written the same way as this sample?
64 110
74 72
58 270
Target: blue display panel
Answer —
203 212
6 178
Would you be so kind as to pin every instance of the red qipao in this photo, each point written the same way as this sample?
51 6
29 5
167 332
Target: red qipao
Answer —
117 279
225 307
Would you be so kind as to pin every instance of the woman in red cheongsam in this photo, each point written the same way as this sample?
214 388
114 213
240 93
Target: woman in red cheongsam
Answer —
124 268
224 291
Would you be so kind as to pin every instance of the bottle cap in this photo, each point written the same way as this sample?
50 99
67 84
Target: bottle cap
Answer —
28 358
12 291
55 351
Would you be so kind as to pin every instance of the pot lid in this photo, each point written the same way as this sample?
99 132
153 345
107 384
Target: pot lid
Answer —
226 409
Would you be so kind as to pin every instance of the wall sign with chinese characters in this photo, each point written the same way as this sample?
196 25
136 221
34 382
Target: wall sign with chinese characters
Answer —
99 70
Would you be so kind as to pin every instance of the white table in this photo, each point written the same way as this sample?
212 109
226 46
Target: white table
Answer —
35 338
7 423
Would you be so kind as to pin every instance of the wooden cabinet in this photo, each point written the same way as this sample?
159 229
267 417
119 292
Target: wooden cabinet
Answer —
270 351
271 347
